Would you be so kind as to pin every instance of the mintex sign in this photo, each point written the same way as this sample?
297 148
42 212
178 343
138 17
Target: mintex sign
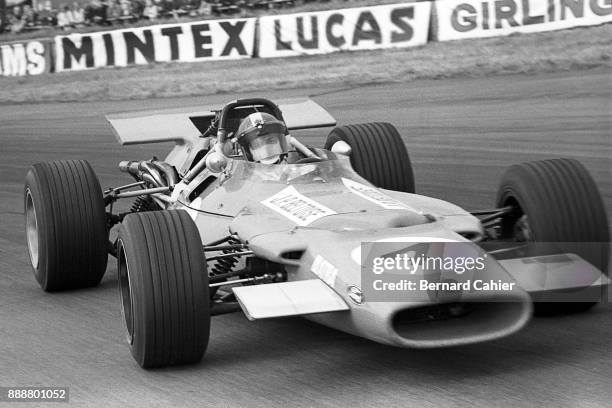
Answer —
199 41
460 19
363 28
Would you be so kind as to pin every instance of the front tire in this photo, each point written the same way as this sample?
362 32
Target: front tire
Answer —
65 222
378 154
163 283
556 201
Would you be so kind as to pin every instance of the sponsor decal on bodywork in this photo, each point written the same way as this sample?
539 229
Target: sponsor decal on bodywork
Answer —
297 207
376 196
325 270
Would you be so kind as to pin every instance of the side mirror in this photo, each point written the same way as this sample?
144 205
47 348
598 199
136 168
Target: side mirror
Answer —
341 147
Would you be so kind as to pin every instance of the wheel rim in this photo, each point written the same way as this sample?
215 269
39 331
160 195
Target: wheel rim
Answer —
31 229
522 230
125 289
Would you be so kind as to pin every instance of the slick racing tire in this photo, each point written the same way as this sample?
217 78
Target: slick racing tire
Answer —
163 283
378 154
65 223
556 201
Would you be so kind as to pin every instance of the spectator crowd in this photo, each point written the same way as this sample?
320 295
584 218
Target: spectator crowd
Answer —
34 15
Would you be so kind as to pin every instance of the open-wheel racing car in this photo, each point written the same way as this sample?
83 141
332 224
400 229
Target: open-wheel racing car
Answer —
214 230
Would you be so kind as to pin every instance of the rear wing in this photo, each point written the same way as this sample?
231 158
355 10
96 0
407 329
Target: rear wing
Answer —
183 125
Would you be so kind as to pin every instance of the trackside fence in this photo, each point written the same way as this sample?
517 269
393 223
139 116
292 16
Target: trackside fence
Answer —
398 25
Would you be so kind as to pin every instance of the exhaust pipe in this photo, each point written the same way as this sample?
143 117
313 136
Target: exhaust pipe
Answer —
168 171
151 172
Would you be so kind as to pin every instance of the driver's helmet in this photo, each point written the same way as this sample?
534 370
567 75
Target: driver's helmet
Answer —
262 138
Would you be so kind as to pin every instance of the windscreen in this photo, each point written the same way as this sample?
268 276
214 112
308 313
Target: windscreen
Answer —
328 171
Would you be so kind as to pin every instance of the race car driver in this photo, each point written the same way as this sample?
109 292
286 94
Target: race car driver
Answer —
262 138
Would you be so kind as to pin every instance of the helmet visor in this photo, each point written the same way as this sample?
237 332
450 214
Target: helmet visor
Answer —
266 148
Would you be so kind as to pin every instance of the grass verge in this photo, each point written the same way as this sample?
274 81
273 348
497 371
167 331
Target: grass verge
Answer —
580 48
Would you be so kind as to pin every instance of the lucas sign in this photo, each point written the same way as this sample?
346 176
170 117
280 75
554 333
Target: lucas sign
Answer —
363 28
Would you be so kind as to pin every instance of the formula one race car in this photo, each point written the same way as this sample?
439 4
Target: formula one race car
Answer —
214 230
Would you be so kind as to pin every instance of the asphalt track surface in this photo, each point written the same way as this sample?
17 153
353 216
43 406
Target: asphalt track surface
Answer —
461 135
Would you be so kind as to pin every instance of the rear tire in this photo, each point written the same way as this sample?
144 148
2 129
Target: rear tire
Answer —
163 282
560 202
65 225
378 154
